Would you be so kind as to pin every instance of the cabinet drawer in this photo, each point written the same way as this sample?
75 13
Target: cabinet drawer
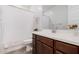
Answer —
45 40
43 49
66 48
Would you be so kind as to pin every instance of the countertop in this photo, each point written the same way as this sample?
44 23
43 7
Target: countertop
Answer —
67 36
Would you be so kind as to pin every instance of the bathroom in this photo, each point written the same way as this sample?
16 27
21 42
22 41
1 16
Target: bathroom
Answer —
21 26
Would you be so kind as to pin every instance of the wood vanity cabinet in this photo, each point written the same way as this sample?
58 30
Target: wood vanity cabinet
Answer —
44 45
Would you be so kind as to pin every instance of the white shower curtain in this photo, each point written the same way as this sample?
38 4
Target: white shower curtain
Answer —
17 25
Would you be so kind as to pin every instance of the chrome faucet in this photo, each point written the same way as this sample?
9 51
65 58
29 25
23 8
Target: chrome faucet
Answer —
54 28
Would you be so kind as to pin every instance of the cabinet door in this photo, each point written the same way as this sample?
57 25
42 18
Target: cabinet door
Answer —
43 49
34 44
66 48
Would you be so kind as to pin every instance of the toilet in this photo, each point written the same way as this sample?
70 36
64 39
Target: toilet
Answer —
28 45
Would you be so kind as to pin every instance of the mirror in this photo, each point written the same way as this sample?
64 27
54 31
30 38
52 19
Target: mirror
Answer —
57 15
73 14
60 15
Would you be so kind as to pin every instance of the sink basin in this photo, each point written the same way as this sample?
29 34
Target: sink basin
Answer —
60 32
